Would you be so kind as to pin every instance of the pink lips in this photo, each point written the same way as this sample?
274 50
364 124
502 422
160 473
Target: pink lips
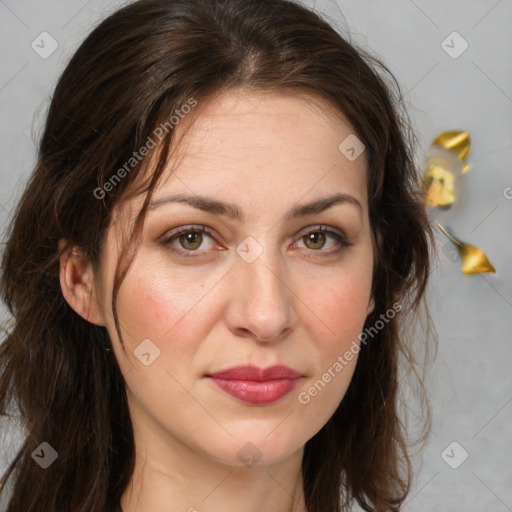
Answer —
258 386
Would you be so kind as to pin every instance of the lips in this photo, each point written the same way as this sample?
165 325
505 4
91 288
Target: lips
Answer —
257 386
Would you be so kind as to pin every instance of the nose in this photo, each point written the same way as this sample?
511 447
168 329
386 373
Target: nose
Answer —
263 303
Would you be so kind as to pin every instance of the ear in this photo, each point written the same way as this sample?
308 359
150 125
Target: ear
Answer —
77 284
377 247
371 306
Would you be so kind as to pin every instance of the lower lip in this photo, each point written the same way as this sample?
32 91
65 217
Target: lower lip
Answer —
257 393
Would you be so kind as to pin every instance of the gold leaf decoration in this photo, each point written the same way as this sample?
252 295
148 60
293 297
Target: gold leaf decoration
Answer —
456 141
440 184
445 161
474 260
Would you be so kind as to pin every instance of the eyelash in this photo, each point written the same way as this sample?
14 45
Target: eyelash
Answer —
174 234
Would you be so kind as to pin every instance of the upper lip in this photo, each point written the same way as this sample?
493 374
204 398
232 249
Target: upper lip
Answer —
254 373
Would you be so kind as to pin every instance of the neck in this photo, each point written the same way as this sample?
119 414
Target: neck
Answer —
212 487
172 476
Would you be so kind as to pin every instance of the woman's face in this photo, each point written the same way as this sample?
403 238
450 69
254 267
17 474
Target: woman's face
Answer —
280 276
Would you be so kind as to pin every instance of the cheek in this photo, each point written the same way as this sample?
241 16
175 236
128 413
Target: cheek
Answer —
342 319
341 305
340 310
153 311
170 309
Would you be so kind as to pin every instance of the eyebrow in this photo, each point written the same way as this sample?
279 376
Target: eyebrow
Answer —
233 211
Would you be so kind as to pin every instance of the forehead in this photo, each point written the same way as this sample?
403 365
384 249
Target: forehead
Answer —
253 146
266 124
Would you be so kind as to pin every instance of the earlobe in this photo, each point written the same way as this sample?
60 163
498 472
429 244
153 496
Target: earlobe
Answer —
77 284
371 306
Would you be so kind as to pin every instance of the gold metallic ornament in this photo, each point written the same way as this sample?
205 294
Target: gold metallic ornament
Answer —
446 160
474 260
456 141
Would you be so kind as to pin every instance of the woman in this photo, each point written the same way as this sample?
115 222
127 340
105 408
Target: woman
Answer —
209 270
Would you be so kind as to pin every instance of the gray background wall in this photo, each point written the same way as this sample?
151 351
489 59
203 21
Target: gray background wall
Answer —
470 382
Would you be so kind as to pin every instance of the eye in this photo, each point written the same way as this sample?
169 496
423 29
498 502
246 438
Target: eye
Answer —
316 239
188 239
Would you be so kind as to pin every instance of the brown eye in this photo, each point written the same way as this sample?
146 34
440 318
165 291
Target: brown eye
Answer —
191 240
324 241
314 240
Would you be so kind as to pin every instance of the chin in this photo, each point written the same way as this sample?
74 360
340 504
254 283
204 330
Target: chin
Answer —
254 447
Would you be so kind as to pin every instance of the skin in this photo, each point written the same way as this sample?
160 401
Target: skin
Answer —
265 153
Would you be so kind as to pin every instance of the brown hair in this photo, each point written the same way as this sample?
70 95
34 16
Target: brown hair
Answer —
128 76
